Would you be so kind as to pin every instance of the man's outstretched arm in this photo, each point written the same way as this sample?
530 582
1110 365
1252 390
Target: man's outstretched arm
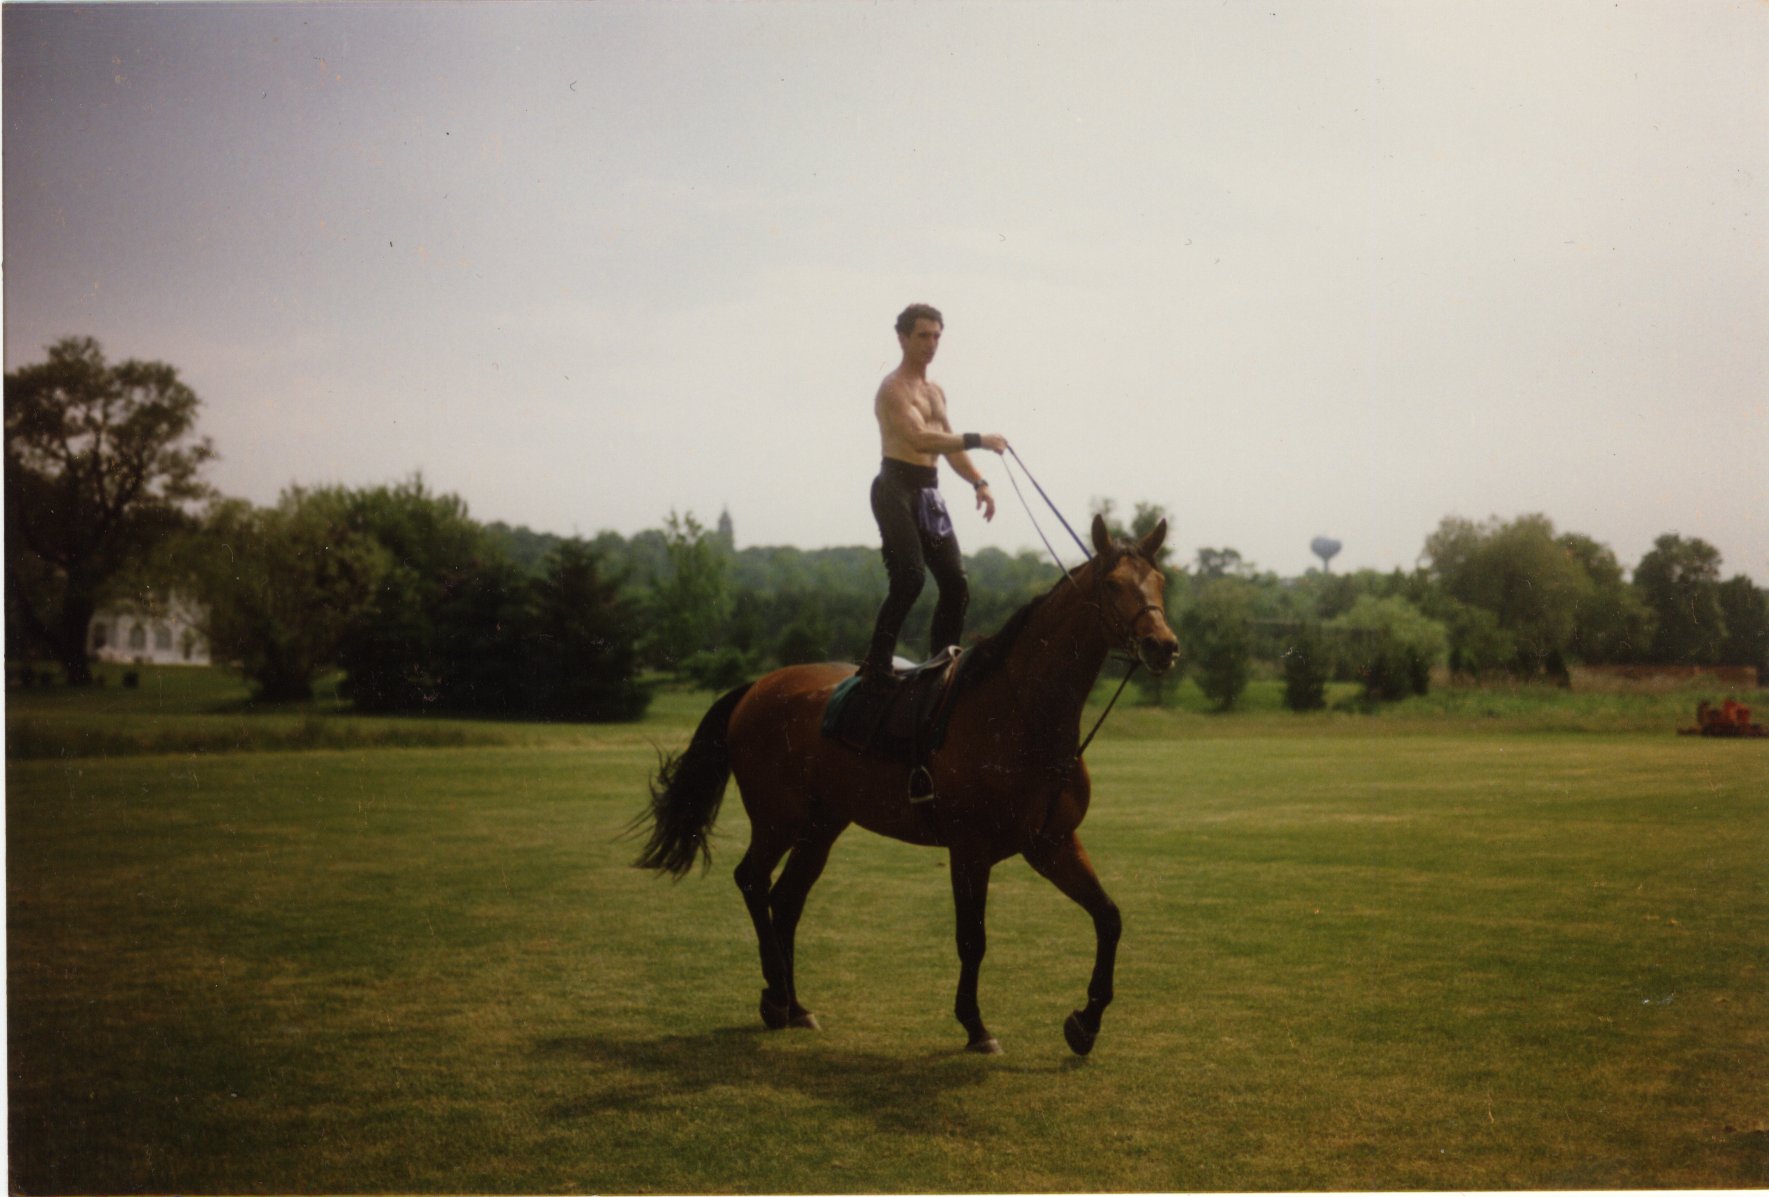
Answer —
905 425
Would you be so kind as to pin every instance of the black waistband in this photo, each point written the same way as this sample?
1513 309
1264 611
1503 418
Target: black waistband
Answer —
907 473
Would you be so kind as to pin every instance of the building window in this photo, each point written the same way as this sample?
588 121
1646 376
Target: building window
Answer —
100 635
137 638
162 638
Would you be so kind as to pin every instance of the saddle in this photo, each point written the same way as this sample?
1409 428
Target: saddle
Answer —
902 720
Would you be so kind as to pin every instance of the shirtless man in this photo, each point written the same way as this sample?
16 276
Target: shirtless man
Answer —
912 518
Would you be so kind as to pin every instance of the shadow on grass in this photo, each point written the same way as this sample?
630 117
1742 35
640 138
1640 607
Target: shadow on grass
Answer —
899 1094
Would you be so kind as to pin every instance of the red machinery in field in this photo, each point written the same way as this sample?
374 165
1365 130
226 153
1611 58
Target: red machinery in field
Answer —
1730 718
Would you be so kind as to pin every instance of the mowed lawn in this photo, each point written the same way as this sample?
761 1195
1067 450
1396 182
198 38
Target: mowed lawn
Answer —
1356 956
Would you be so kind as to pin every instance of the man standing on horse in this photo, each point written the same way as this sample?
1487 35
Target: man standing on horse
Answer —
912 518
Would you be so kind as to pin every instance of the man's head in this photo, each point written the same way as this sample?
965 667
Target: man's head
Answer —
918 311
918 330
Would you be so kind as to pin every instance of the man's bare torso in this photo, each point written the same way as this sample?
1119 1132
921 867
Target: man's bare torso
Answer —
902 403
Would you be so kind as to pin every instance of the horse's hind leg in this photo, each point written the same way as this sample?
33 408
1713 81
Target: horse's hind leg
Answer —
786 903
1065 863
754 873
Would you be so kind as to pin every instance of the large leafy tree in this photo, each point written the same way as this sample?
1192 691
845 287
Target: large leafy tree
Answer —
1612 623
1533 584
1745 608
101 461
1221 563
431 638
1680 580
284 584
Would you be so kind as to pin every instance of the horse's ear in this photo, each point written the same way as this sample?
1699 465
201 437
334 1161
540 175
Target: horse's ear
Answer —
1151 544
1102 540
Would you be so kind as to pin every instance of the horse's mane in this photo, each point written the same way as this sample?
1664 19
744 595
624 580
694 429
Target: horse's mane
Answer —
986 655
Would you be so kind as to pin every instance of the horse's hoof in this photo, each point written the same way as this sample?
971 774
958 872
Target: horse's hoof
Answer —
775 1015
986 1046
804 1020
1079 1037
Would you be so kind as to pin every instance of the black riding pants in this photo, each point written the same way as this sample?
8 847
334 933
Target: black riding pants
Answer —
918 538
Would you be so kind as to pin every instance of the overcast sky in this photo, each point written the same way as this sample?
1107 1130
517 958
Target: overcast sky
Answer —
1287 269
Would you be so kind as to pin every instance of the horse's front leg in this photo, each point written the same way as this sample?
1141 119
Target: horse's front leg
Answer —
970 897
1065 863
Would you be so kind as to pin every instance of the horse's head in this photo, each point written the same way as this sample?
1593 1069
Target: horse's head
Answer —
1131 592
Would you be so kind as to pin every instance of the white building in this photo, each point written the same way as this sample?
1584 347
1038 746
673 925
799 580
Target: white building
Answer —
129 633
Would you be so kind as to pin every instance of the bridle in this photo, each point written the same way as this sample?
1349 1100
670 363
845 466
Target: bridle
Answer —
1126 629
1123 629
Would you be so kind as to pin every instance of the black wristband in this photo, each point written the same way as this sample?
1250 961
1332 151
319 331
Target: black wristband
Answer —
979 484
973 440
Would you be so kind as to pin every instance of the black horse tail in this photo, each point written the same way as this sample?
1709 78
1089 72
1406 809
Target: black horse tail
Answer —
686 792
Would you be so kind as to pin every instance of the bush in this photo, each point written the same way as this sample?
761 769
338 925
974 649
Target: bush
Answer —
1477 644
1158 691
719 668
804 642
1390 646
1306 668
1216 635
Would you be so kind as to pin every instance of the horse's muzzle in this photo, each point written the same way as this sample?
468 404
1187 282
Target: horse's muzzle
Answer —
1157 653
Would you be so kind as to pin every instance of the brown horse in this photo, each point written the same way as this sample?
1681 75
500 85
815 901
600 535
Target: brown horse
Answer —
1009 779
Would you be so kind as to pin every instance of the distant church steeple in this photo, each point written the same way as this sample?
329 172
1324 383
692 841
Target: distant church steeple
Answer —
727 534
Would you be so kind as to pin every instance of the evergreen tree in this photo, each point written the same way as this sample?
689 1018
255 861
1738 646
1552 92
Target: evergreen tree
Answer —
690 595
582 642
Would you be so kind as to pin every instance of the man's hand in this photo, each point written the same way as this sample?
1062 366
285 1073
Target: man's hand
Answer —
995 442
985 500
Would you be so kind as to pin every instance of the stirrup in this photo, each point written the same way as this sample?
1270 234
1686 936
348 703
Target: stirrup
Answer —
921 786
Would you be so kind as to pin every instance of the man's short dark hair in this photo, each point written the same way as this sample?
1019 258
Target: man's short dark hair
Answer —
918 311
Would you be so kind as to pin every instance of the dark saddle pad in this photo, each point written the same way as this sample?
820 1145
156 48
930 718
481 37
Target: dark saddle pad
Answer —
904 720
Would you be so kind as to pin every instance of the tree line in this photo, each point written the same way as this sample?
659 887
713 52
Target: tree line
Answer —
1516 599
423 608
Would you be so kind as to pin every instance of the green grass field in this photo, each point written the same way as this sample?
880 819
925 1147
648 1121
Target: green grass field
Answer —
1499 942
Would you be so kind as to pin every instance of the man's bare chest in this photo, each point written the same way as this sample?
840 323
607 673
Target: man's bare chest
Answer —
928 401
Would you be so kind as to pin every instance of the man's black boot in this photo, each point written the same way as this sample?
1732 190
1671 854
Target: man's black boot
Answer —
877 671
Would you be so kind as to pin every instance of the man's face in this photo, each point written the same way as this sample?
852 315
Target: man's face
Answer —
921 342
